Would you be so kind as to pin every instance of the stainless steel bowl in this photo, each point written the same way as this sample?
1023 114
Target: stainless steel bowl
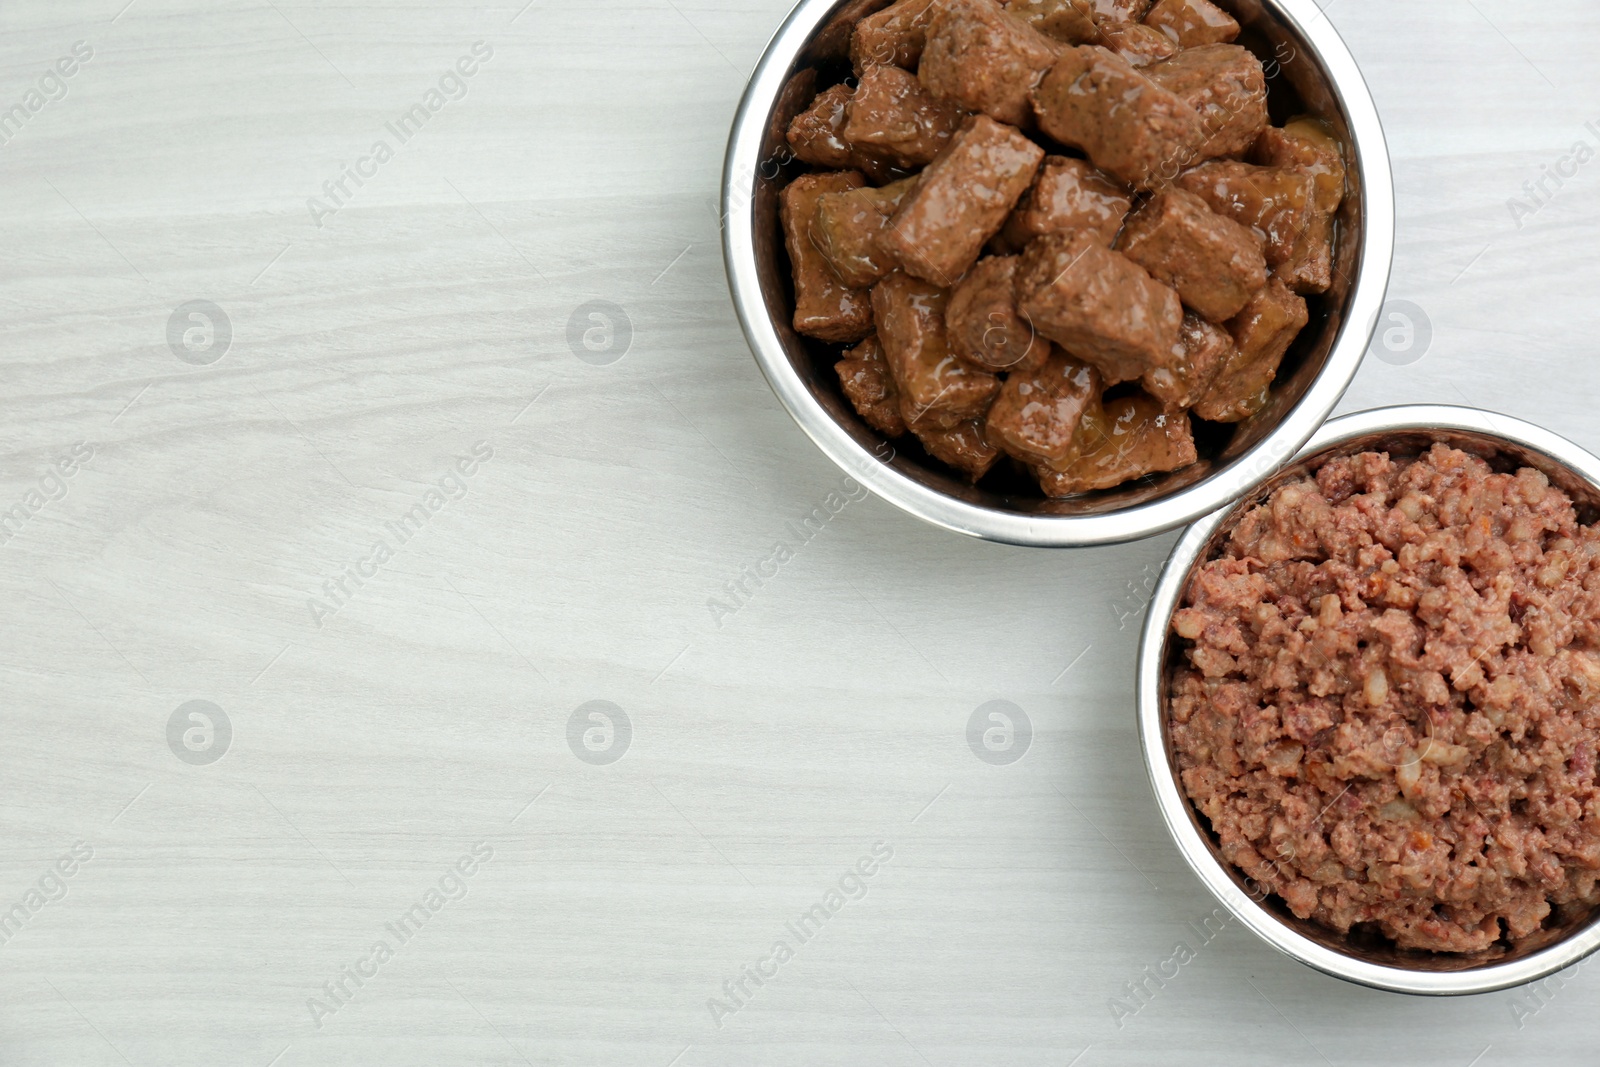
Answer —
1315 67
1400 430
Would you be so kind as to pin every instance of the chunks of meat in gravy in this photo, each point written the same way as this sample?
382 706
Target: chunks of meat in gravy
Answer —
985 59
1068 21
1214 263
816 136
1226 86
825 307
1272 201
1139 44
1068 194
1132 128
1099 305
1119 12
850 227
937 390
983 323
1037 416
1138 439
1192 23
964 447
1305 146
890 112
867 383
1061 316
1203 350
894 36
962 200
1262 334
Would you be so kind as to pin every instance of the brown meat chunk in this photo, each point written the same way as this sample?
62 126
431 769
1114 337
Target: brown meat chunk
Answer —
1142 439
982 322
1132 128
1110 13
1068 194
817 134
1067 21
832 42
1180 384
962 447
864 375
937 390
1227 86
1308 147
1139 44
1099 305
1037 415
1262 334
1274 202
825 308
985 60
1192 23
962 200
1214 263
892 114
894 36
849 230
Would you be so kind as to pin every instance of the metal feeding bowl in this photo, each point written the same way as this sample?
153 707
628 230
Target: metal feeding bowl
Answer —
1507 444
1311 72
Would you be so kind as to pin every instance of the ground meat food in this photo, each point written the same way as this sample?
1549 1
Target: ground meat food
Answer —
890 112
1387 702
825 308
1192 23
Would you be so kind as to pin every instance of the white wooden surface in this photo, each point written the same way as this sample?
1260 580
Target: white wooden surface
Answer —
430 713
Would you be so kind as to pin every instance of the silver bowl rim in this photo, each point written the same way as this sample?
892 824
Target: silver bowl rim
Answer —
1175 807
1221 487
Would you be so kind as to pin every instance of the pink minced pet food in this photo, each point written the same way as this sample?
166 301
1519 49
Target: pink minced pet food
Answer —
1388 699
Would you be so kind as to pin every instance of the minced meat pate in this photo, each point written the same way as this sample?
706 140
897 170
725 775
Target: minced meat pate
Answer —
1388 699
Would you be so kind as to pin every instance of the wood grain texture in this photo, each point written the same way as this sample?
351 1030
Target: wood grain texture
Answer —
430 712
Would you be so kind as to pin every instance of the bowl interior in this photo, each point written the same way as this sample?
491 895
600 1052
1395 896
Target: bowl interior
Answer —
1502 455
1299 83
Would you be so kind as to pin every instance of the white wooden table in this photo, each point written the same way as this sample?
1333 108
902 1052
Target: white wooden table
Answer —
375 734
